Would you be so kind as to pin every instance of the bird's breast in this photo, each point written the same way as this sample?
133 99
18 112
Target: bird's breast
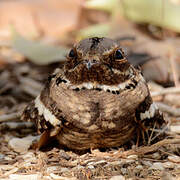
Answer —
96 111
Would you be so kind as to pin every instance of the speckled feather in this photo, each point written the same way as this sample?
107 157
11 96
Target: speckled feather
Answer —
97 100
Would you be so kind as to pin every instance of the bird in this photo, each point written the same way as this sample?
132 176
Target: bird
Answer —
97 100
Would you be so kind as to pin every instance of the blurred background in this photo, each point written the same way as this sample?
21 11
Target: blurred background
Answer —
36 35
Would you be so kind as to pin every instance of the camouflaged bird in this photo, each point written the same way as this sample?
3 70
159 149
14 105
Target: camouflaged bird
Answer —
97 100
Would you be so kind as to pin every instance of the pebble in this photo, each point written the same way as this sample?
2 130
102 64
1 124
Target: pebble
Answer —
174 158
120 177
168 165
157 166
21 144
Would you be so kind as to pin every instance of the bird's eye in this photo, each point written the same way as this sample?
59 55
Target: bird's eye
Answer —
72 53
119 54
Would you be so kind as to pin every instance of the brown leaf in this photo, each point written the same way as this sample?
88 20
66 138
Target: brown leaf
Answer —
36 17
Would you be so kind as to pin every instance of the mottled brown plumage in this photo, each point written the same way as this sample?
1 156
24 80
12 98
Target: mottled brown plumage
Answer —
97 100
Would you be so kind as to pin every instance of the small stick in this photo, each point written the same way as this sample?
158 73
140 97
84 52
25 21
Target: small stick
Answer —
168 109
166 91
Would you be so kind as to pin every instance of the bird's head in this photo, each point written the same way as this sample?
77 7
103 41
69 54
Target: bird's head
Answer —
97 60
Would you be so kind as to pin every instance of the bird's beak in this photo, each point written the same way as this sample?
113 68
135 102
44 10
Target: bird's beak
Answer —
90 63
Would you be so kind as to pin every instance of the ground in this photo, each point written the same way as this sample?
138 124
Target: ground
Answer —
19 161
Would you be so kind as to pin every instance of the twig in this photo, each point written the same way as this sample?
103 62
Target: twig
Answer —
168 109
149 140
148 149
139 151
16 125
9 117
166 91
161 131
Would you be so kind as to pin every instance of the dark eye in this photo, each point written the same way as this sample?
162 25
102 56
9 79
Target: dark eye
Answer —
118 54
72 53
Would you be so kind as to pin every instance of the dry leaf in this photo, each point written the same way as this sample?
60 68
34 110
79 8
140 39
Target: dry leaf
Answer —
50 18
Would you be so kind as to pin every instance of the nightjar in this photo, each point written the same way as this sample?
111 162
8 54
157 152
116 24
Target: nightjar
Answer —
97 100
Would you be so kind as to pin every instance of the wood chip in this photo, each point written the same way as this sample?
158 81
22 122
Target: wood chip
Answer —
25 177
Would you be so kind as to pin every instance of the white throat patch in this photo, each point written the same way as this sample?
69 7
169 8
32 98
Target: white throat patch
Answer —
149 113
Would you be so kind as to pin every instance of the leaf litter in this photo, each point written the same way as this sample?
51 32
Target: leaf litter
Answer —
21 82
56 163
